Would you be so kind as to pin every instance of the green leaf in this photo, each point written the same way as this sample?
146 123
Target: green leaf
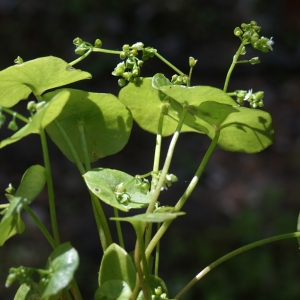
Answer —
62 265
41 119
106 121
27 292
106 185
113 290
36 76
242 129
149 218
10 226
157 287
31 185
146 104
116 264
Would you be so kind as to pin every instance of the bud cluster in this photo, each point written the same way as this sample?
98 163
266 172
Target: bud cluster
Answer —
21 273
249 34
130 68
82 46
255 99
169 180
179 79
142 184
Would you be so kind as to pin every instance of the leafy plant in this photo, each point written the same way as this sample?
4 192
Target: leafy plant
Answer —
88 126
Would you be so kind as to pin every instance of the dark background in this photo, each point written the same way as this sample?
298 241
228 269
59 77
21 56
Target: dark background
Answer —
241 198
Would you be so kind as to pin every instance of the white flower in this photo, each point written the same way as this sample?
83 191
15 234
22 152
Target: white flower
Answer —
138 45
270 42
248 95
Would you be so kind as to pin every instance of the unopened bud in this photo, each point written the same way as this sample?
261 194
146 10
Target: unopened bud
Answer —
192 61
98 43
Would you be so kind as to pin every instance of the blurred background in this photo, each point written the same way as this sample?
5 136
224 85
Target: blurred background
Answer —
241 198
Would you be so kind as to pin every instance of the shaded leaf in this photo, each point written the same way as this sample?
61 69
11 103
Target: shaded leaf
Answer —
105 184
10 226
36 76
116 264
106 121
157 287
113 290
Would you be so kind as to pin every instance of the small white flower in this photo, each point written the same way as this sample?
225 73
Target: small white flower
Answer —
138 45
270 42
248 95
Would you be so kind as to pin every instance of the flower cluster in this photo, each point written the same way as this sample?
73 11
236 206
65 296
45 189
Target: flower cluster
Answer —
249 34
255 99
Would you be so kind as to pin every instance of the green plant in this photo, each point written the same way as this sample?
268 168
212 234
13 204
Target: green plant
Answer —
88 126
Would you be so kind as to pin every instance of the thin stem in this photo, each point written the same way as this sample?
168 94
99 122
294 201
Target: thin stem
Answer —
75 290
41 226
74 62
167 164
119 229
50 188
185 195
168 63
190 77
84 147
17 115
157 252
233 254
234 61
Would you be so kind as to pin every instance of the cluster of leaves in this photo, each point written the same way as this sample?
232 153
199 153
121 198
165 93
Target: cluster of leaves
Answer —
88 126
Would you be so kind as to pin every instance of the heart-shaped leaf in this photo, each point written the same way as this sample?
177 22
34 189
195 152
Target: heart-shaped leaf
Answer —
116 264
36 76
106 122
116 188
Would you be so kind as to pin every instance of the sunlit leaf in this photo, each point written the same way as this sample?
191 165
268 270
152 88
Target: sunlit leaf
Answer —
113 290
105 184
36 76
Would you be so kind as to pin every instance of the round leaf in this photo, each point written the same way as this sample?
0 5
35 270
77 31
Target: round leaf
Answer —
113 290
117 265
106 122
36 76
105 183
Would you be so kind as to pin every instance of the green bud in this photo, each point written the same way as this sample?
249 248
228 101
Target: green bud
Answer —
119 69
125 48
39 105
31 106
12 125
140 63
158 290
81 49
123 55
192 61
243 51
18 60
253 23
254 60
135 72
127 75
237 31
254 38
10 189
98 43
174 78
130 63
134 52
121 82
77 41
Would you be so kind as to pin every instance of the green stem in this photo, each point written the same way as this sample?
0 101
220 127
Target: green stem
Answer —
185 195
233 254
75 290
234 61
17 115
119 228
167 163
157 252
74 62
168 63
50 188
84 147
41 226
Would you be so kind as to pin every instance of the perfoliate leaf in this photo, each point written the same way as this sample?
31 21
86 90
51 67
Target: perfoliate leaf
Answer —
108 185
36 76
105 120
116 264
146 103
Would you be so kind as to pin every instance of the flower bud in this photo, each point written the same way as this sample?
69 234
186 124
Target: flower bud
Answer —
238 31
18 60
77 41
135 72
121 82
139 46
192 61
12 125
122 55
134 52
40 105
125 48
254 61
119 69
31 106
10 189
98 43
